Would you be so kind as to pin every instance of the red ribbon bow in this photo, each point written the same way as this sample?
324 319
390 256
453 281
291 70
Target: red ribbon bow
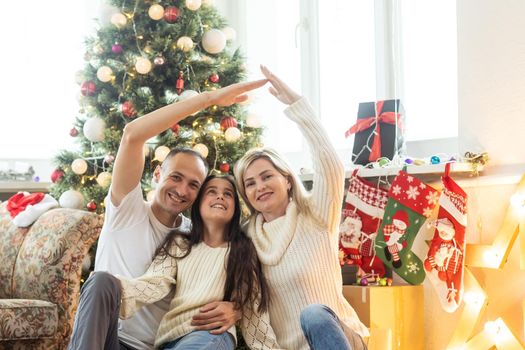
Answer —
380 117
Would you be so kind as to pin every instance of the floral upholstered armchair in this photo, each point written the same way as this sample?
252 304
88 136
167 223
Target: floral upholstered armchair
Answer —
40 269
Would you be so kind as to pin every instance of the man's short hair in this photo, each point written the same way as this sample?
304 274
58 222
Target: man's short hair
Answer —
174 151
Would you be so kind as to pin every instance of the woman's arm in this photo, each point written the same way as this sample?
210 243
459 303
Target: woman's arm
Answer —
154 285
129 163
257 331
328 179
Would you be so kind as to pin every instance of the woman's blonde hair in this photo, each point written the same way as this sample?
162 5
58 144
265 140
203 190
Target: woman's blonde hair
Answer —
297 192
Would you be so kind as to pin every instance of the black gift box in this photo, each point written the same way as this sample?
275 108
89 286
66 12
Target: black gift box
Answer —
392 137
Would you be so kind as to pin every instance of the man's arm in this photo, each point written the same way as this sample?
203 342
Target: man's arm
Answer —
129 163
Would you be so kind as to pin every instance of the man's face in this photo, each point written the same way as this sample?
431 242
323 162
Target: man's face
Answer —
178 182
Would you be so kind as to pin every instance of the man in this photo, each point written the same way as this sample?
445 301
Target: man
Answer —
133 230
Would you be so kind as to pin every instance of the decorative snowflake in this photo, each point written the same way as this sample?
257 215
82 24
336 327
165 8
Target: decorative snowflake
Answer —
422 186
395 205
396 190
410 179
412 192
432 197
412 267
427 212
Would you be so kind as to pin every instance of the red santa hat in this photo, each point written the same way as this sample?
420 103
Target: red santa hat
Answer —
26 207
400 220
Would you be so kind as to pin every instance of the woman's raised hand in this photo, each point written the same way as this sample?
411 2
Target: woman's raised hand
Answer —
279 89
234 93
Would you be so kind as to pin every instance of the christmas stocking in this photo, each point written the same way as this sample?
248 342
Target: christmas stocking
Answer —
410 203
445 259
364 208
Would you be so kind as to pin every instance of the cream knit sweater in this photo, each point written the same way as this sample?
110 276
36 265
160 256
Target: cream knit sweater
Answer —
198 279
299 253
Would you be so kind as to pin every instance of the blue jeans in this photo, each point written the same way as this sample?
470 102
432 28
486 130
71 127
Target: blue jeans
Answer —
323 330
202 340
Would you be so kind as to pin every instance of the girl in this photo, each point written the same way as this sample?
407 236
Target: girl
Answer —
296 236
217 261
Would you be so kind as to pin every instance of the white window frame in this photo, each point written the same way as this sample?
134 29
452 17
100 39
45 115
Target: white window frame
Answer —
388 66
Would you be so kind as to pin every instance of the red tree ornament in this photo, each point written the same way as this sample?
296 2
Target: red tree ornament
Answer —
92 206
214 78
180 83
171 14
57 175
128 109
175 128
73 132
88 88
228 122
224 167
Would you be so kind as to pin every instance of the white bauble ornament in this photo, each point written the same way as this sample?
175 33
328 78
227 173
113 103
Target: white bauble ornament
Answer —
143 65
214 41
232 134
156 12
79 166
193 5
185 43
229 33
187 94
94 129
104 74
104 179
150 195
71 199
202 149
161 152
119 20
86 263
253 121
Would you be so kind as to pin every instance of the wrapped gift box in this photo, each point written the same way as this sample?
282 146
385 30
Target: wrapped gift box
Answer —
385 118
396 308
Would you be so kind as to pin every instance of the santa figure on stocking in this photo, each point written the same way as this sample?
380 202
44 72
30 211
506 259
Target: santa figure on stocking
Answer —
395 237
350 239
445 256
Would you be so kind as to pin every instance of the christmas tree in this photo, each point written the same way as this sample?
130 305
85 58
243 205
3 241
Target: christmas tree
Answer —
149 55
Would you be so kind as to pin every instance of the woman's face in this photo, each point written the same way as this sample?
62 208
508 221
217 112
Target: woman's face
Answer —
266 189
217 204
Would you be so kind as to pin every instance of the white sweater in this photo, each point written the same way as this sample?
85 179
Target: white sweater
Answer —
299 253
198 279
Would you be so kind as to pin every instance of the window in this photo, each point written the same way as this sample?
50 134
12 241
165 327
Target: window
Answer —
357 51
44 48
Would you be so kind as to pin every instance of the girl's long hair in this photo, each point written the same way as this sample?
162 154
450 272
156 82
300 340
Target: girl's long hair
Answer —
245 284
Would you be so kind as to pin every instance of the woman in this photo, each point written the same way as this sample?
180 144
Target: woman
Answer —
216 261
296 236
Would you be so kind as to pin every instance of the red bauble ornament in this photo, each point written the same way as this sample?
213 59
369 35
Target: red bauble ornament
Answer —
224 167
128 109
88 88
57 175
228 122
214 78
175 128
180 83
92 206
171 14
73 132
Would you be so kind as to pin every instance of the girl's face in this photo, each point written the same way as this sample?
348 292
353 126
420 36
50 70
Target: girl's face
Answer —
266 189
217 203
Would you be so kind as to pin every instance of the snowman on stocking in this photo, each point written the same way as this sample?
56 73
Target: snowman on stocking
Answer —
445 258
395 238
